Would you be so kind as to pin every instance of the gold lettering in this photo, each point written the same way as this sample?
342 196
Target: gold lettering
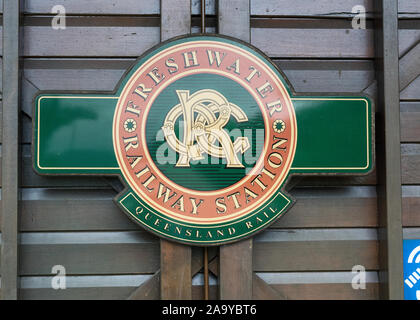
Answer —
248 224
279 143
129 143
274 106
248 194
220 203
131 107
135 161
167 191
252 74
235 200
259 182
141 90
139 210
192 58
195 205
217 55
142 172
148 181
155 76
180 203
268 173
170 63
234 67
265 88
272 163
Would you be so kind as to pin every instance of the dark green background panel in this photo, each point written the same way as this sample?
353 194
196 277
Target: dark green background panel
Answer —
334 135
75 134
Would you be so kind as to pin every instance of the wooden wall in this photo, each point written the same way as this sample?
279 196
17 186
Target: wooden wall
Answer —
308 254
410 130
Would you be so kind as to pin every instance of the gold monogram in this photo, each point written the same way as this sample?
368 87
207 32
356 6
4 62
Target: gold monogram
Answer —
205 114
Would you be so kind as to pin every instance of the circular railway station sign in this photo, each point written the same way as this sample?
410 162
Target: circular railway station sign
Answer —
205 134
204 131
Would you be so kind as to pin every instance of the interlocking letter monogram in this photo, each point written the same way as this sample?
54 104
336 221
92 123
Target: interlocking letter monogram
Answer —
205 114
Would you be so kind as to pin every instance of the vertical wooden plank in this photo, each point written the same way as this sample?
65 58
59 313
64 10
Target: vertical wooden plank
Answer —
175 17
175 259
234 19
235 271
10 151
235 274
175 268
389 151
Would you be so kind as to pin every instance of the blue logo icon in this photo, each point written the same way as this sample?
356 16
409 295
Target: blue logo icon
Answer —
411 252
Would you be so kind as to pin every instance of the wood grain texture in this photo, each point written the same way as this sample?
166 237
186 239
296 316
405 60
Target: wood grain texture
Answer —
175 18
235 271
175 259
412 92
89 293
315 208
309 291
234 18
314 42
411 206
148 290
410 163
101 7
89 41
10 150
411 209
314 255
409 67
260 289
321 8
88 67
325 8
389 151
263 291
175 267
235 260
410 121
327 291
329 207
198 292
409 8
31 179
103 74
96 293
322 181
109 258
323 291
129 41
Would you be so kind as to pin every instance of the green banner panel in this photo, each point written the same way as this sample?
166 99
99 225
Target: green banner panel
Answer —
73 134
